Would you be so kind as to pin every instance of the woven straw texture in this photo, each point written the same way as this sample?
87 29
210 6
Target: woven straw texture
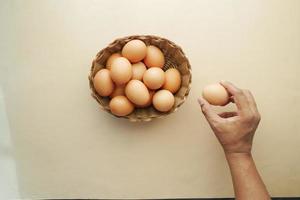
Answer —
174 58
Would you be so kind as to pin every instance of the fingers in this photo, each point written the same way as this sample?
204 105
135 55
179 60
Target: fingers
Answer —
228 114
251 100
231 89
238 96
243 99
210 115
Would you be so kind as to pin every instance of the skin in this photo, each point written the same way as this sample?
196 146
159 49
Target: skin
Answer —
235 132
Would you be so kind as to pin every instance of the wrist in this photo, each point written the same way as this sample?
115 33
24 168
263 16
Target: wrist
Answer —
239 160
239 148
238 155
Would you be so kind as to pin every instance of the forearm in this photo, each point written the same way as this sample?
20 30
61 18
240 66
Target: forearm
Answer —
247 182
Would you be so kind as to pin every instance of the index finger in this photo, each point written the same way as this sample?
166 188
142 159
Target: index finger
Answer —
239 98
251 100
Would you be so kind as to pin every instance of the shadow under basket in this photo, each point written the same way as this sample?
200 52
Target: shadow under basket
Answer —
174 58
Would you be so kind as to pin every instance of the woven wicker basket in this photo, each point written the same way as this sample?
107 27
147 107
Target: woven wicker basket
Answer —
174 58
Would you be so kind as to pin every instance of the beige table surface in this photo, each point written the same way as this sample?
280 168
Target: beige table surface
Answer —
65 147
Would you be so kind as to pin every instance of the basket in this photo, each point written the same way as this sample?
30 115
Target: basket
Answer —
174 58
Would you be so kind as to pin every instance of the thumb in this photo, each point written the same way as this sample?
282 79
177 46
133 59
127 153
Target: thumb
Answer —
210 115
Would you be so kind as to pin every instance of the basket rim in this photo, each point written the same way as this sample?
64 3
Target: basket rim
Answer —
146 118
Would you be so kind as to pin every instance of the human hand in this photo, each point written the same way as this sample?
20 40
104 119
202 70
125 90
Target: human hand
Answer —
234 130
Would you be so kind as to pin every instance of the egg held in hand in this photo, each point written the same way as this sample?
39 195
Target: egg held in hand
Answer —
215 94
103 83
121 70
121 106
163 100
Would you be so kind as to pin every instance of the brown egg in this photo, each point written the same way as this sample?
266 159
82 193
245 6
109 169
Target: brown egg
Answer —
118 91
163 100
151 92
172 80
137 92
111 58
103 83
121 106
138 70
154 78
134 50
215 94
154 57
121 70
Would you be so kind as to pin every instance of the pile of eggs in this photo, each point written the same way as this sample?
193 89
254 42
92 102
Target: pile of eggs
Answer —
134 78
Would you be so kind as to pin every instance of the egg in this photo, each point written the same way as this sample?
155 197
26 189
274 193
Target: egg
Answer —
172 80
103 83
154 57
163 100
216 94
137 92
118 91
138 70
134 50
121 70
154 78
111 58
121 106
151 92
